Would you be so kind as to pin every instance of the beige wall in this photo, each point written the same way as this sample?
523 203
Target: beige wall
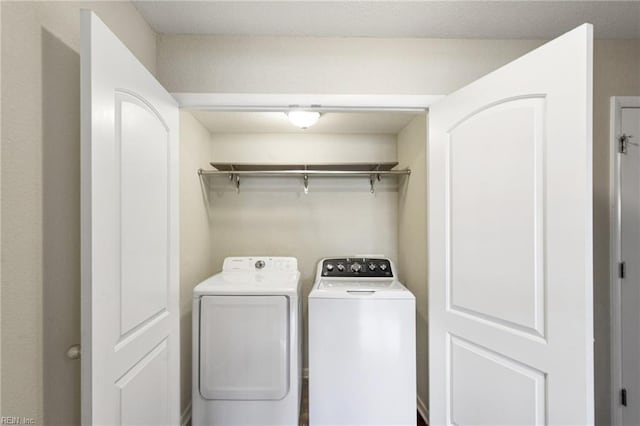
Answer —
404 66
41 199
189 63
412 237
338 217
195 247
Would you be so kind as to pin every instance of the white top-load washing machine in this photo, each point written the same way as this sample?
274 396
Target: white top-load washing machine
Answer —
247 344
362 351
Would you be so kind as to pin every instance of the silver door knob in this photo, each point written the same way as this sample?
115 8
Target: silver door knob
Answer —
74 352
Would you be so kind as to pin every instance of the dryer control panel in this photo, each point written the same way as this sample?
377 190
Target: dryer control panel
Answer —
260 264
360 267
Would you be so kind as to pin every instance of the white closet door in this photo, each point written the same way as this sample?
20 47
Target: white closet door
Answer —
510 243
130 317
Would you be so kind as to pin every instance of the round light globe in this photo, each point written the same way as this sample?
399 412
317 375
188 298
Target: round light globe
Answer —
303 119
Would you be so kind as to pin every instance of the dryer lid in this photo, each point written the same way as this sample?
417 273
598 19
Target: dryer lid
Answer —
245 283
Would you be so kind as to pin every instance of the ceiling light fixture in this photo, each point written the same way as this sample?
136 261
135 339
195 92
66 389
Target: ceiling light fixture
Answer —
303 119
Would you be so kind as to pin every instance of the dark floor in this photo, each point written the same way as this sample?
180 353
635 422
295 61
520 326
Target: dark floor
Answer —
304 410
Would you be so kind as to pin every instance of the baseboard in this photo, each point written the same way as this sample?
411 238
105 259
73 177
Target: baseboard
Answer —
185 419
423 410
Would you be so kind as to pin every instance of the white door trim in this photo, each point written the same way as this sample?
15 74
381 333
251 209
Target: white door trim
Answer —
617 103
279 102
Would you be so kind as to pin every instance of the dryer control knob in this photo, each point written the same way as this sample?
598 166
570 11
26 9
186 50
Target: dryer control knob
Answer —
356 267
329 267
383 266
372 266
340 267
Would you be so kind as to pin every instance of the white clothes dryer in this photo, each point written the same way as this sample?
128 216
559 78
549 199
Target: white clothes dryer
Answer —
247 344
362 345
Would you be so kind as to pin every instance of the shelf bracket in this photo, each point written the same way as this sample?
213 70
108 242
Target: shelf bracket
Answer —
305 179
237 178
372 181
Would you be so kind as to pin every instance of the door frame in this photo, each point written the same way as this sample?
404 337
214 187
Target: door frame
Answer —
278 102
259 102
615 249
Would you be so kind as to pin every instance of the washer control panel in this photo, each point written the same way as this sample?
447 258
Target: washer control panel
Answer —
362 267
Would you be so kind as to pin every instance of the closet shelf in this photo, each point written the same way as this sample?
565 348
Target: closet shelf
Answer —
375 171
310 168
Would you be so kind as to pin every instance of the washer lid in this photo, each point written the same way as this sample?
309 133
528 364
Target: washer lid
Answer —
350 289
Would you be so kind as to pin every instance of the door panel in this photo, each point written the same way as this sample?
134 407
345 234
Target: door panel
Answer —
495 244
481 382
143 390
143 143
130 317
510 243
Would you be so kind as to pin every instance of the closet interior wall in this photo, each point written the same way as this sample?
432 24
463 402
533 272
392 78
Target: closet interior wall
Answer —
195 243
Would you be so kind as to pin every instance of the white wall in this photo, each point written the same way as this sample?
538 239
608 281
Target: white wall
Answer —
195 247
272 216
406 66
41 199
412 238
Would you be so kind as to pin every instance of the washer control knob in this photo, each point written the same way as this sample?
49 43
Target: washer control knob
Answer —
329 267
383 266
356 267
340 267
372 266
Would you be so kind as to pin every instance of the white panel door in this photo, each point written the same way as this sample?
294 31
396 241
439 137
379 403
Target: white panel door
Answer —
630 253
130 318
510 243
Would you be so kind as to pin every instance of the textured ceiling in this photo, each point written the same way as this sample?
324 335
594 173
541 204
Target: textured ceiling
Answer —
330 122
432 19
